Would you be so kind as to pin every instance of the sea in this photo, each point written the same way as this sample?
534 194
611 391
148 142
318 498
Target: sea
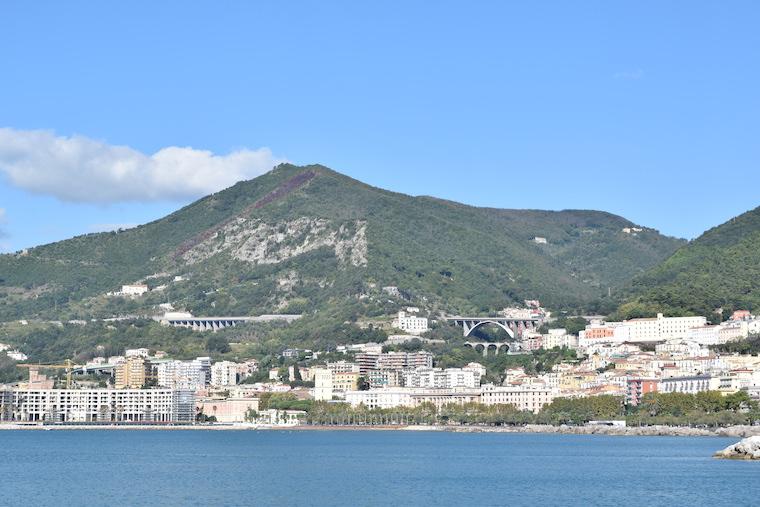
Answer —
357 468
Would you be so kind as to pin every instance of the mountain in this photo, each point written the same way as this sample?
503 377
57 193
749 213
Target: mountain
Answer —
299 239
718 270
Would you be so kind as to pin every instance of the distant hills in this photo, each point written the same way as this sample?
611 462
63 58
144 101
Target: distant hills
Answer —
718 270
303 239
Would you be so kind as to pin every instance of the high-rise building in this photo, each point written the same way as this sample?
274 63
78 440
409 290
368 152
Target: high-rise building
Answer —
132 373
224 373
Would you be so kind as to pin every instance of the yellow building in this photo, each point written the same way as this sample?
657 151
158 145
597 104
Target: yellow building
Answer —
132 374
346 380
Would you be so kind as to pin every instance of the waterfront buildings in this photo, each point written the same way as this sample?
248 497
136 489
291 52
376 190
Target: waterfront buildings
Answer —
100 405
522 397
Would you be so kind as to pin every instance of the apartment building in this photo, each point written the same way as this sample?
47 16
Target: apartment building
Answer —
522 397
101 405
224 373
133 373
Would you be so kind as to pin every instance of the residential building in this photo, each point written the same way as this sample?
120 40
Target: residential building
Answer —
384 378
224 373
103 405
449 378
691 384
531 398
638 387
137 289
410 323
393 361
184 375
132 373
345 381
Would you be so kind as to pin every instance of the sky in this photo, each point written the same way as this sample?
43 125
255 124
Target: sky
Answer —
113 114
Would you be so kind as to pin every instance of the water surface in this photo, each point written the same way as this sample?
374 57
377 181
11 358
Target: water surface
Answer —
114 467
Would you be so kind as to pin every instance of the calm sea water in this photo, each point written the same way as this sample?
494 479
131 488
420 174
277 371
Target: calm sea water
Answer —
366 468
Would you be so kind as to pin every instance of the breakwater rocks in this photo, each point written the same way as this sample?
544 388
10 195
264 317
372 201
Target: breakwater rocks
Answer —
748 448
673 431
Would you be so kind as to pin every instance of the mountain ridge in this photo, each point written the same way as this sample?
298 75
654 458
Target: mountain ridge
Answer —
281 241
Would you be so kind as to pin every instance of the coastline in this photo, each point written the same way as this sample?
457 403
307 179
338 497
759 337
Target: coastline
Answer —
674 431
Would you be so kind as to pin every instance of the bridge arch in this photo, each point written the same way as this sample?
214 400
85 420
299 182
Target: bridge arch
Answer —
469 329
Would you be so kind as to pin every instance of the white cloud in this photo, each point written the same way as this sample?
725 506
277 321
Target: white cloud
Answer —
2 215
630 75
78 168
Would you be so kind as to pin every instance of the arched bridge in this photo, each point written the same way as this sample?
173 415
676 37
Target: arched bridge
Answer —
513 327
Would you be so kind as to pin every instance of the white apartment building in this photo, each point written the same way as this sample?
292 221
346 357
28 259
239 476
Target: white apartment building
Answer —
142 352
101 405
134 289
523 397
691 384
224 373
559 338
410 323
686 348
441 379
661 328
411 397
185 375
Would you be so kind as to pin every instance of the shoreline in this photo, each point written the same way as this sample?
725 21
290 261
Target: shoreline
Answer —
676 431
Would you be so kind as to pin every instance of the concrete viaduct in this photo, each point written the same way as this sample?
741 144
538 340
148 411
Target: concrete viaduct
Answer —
513 327
216 323
488 347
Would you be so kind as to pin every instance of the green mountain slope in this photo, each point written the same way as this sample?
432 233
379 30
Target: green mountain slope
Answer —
720 269
299 239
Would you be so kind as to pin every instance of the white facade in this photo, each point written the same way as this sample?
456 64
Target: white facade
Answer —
186 375
662 328
103 405
323 384
559 338
691 385
410 323
134 290
523 397
136 352
443 379
224 373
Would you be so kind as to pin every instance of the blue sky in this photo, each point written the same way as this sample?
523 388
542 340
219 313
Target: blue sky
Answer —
646 109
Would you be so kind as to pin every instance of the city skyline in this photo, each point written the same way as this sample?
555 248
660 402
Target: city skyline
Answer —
645 111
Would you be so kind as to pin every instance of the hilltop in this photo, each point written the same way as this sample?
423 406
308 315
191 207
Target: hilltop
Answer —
300 239
718 270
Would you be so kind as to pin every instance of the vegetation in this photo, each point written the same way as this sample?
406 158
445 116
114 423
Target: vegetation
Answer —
444 256
749 346
716 271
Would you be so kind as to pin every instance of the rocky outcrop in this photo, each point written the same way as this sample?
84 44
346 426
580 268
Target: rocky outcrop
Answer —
256 242
748 448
